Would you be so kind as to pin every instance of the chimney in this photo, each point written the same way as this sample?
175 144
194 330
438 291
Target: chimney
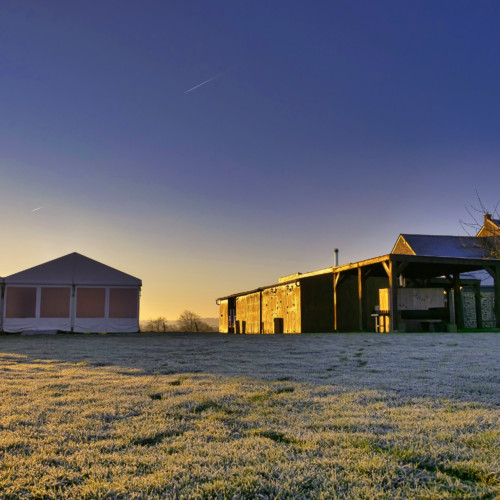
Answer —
336 257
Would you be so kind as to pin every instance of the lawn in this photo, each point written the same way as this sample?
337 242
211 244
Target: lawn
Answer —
215 416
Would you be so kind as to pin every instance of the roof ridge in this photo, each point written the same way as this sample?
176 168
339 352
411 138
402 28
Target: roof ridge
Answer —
438 235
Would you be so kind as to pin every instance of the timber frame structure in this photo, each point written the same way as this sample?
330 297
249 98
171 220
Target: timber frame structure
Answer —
299 303
349 297
418 271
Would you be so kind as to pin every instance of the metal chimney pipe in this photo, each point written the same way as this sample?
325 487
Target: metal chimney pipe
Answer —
336 257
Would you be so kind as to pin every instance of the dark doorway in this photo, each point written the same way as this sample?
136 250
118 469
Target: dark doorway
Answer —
278 325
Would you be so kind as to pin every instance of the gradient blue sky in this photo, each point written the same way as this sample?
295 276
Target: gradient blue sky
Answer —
330 124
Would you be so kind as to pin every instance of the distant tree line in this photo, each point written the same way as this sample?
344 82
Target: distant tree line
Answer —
188 321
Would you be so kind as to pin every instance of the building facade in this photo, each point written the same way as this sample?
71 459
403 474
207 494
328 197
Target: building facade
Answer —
424 284
71 294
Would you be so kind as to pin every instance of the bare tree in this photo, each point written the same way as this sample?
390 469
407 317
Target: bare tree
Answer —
190 322
484 223
477 213
159 324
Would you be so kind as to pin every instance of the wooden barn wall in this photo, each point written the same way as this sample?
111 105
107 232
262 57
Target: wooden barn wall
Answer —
273 308
293 317
281 309
224 316
348 304
248 313
317 304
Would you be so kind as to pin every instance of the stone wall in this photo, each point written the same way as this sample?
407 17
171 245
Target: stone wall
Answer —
487 302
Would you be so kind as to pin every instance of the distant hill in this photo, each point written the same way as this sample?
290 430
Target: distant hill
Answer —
213 322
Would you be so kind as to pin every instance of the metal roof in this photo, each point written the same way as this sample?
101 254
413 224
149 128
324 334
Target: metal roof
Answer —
483 276
461 247
435 255
296 279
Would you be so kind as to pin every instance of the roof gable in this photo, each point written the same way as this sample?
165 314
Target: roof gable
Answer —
462 247
402 247
73 269
491 227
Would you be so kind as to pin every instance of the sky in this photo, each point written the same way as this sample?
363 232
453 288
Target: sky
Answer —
210 147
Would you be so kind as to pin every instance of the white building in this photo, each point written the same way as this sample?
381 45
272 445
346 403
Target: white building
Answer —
73 294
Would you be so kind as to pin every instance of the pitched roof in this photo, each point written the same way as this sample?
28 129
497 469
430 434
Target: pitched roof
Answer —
70 269
462 247
481 275
490 227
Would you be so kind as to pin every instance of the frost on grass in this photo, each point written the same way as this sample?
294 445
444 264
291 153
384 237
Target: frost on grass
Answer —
457 366
79 431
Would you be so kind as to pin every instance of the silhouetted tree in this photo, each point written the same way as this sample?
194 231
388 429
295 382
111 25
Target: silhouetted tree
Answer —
479 217
190 322
159 324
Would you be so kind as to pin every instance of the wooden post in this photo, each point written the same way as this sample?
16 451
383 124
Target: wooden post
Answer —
393 296
494 272
336 277
479 313
459 307
260 312
496 280
72 308
360 299
391 268
451 305
2 305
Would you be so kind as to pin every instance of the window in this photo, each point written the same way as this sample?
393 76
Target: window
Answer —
54 302
21 302
90 302
123 303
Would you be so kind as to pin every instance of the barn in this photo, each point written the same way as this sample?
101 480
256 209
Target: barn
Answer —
71 294
299 303
421 285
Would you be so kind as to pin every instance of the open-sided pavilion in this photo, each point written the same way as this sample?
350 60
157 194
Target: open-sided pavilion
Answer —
350 297
407 270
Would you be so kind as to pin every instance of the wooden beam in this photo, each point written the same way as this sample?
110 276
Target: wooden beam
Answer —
393 297
402 266
490 270
387 267
336 278
363 263
360 299
367 271
425 259
419 259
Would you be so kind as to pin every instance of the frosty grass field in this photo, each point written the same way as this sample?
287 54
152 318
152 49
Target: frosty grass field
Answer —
215 416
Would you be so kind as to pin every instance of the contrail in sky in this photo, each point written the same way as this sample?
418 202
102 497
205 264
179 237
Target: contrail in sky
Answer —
36 209
204 83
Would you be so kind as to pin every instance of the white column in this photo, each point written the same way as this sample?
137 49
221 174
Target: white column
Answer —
38 301
72 307
106 303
